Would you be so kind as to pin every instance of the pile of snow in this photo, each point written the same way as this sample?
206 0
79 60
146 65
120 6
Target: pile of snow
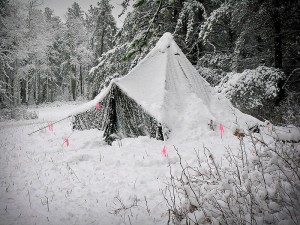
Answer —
288 133
44 181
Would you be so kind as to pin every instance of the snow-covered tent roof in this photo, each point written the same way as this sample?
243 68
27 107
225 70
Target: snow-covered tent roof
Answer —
161 82
165 75
168 87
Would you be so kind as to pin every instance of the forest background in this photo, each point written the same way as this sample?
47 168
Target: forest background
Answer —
248 49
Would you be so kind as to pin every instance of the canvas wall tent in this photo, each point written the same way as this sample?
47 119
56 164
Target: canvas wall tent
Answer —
153 98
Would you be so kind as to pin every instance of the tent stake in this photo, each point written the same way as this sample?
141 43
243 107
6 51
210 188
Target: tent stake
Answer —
51 123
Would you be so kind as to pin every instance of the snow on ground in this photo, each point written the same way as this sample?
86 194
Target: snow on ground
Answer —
43 181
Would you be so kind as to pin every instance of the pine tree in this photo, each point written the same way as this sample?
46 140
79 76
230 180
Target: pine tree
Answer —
53 57
102 26
76 53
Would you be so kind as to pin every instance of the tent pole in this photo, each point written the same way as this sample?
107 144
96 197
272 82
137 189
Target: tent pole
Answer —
51 123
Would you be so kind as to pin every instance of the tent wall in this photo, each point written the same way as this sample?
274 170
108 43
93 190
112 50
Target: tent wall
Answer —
119 117
93 118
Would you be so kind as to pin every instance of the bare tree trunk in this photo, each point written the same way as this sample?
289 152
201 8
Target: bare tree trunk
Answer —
12 91
31 97
73 83
36 89
7 100
26 89
278 44
278 48
47 89
277 35
17 88
81 80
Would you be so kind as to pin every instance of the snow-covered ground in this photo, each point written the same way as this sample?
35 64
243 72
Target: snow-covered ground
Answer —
44 181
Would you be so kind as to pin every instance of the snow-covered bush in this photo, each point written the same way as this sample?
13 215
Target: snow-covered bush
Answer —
212 76
260 186
252 89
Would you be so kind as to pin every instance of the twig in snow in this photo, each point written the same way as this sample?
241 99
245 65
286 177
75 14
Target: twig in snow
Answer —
47 203
129 220
29 198
72 171
148 210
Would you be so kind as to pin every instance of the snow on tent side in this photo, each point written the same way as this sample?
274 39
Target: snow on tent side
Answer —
163 92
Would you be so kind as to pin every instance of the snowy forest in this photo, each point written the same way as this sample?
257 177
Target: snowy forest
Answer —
188 113
248 50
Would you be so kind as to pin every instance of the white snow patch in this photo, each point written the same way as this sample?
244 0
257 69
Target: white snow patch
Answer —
43 181
288 133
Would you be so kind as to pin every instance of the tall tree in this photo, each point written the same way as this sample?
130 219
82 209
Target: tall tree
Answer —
39 37
102 26
13 35
76 52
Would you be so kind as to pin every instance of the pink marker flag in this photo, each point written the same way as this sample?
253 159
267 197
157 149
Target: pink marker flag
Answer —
221 129
67 141
98 105
164 151
50 127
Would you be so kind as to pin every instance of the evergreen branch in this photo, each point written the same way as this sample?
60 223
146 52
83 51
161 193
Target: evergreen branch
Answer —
153 20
